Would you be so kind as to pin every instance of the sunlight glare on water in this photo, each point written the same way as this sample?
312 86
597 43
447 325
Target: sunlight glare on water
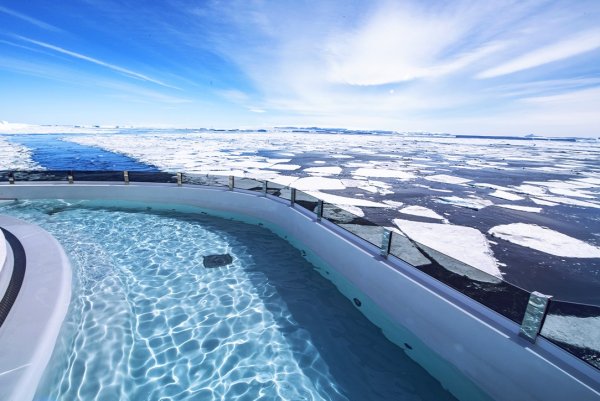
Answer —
149 322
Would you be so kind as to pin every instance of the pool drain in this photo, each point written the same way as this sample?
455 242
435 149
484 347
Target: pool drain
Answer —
212 261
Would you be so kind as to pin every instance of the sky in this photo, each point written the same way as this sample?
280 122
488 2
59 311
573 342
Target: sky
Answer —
463 67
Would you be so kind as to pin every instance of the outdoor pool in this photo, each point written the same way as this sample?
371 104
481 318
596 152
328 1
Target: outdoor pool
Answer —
150 321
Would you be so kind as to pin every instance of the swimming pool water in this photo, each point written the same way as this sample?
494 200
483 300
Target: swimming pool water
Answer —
149 322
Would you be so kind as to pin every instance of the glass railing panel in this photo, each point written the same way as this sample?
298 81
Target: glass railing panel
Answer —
403 248
575 328
354 223
42 175
489 290
279 190
248 184
98 176
150 176
207 180
306 201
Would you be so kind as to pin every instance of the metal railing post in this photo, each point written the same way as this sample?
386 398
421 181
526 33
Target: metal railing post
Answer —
319 210
386 243
264 187
70 177
11 178
231 182
293 196
179 179
126 177
537 307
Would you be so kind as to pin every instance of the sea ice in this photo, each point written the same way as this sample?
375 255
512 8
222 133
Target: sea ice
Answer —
286 167
465 244
343 200
579 331
545 240
570 201
529 209
447 179
383 173
570 192
543 202
15 157
393 203
333 170
317 183
506 195
421 211
469 203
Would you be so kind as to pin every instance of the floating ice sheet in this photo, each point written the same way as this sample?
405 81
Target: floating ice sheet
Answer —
332 170
383 173
506 195
579 331
545 240
530 209
15 157
465 244
447 179
421 211
469 203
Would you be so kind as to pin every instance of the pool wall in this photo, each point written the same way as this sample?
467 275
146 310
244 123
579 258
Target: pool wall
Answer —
471 350
29 333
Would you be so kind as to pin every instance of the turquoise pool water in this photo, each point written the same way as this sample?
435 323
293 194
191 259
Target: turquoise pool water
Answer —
149 322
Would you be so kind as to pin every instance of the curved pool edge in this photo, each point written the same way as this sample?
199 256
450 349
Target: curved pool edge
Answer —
453 329
31 328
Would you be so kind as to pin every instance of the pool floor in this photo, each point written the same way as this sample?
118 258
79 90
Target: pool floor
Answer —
149 322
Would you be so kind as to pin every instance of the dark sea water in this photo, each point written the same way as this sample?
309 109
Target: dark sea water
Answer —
53 154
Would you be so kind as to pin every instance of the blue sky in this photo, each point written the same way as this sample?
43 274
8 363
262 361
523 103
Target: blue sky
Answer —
477 67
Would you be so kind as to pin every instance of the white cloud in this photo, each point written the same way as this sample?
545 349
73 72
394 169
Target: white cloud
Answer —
401 44
31 20
573 46
92 60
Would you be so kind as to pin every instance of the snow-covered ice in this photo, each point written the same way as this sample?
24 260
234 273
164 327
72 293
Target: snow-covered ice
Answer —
333 170
317 183
15 157
579 331
383 173
421 211
529 209
506 195
470 203
465 244
447 179
545 240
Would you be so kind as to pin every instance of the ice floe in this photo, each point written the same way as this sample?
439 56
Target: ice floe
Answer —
383 173
334 170
570 201
506 195
422 212
287 167
545 240
393 203
579 331
543 202
447 179
343 200
15 157
469 203
317 183
570 192
465 244
529 209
